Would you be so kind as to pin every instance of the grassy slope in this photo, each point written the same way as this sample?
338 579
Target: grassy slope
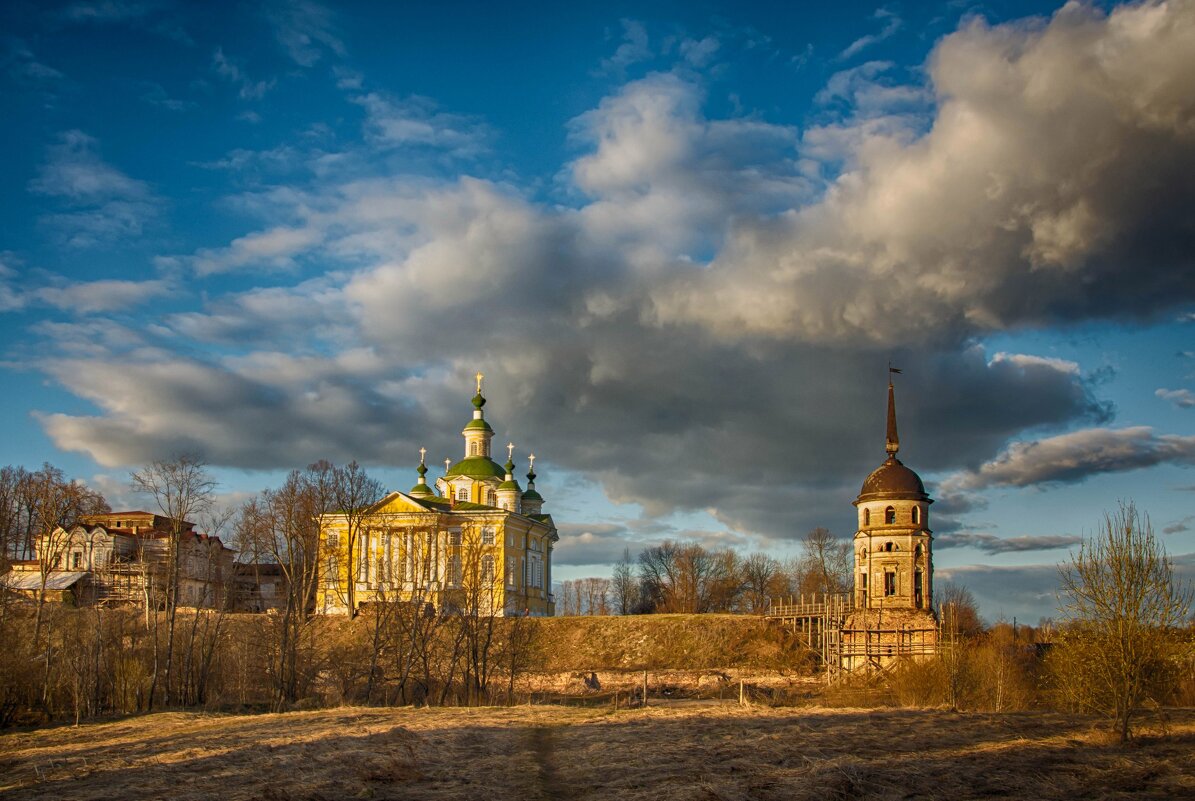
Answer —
678 642
549 752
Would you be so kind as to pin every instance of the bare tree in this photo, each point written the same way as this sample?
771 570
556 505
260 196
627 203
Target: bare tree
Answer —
762 577
826 562
180 488
354 493
623 585
1123 602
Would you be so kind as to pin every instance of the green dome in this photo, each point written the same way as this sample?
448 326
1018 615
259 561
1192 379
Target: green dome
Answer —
477 467
508 485
532 495
478 401
474 425
421 491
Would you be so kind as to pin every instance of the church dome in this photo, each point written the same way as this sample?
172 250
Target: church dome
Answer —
477 467
893 481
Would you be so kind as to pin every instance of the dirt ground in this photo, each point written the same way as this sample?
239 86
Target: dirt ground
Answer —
688 751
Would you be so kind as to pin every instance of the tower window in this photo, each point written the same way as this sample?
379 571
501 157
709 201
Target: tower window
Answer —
916 514
917 596
889 516
866 517
917 550
889 584
888 547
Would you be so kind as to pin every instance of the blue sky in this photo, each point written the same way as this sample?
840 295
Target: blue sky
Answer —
682 242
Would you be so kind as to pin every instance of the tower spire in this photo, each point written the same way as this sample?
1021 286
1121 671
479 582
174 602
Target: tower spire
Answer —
891 440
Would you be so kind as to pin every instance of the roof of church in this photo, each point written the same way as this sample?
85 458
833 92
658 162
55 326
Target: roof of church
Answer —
478 423
893 481
477 467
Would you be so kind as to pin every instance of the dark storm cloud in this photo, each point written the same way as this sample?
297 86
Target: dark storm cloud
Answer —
990 543
752 386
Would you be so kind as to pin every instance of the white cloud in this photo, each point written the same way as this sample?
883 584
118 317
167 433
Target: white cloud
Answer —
1069 458
305 29
634 48
1182 398
416 121
100 203
891 24
89 297
247 88
274 249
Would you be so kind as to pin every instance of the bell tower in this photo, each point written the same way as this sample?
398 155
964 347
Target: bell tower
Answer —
893 563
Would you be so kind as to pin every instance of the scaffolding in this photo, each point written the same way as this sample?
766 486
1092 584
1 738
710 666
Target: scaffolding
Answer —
828 627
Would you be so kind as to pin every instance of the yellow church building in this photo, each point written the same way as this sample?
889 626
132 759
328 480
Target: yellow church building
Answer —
477 543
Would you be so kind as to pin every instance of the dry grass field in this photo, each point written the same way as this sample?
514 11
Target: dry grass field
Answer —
528 753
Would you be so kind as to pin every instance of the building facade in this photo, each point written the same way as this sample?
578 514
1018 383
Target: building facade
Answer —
893 613
123 558
476 543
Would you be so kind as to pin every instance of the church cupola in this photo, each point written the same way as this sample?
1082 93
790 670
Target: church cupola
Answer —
533 502
477 431
421 489
509 492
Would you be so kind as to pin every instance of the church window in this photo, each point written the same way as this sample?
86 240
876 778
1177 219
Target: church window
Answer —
888 547
76 560
454 570
867 517
487 535
454 539
917 597
917 550
462 493
889 583
889 516
487 569
472 448
511 571
916 515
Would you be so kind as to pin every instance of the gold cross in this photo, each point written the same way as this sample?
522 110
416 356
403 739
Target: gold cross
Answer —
510 450
531 459
422 454
479 377
447 464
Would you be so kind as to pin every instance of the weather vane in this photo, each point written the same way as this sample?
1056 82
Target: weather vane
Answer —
479 377
510 450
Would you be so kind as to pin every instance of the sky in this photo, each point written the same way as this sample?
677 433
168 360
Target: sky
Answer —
683 242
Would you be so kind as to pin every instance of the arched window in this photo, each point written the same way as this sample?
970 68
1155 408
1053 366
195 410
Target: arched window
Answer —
487 570
917 550
462 493
867 517
889 516
473 449
916 514
888 547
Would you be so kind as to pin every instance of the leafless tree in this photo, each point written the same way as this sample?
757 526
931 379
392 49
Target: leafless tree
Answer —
180 488
826 562
354 493
1124 605
623 585
762 578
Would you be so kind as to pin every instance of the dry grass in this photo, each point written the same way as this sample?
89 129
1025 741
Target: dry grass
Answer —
527 753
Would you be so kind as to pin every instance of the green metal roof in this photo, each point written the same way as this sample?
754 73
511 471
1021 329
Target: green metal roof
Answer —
477 467
508 485
478 425
532 495
420 490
